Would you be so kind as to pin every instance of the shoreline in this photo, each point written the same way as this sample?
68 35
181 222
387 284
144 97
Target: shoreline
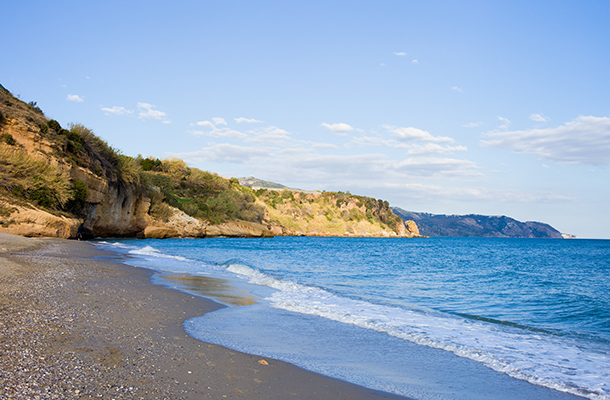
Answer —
76 326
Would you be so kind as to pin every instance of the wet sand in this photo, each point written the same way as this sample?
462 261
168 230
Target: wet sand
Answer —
73 326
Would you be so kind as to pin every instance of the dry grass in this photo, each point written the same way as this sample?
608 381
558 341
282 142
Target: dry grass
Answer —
34 179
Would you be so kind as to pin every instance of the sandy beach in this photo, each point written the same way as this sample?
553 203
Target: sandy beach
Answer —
75 326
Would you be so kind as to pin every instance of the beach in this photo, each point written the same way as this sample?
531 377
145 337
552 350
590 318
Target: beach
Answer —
74 325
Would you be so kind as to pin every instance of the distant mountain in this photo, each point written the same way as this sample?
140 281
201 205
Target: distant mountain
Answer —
477 225
256 183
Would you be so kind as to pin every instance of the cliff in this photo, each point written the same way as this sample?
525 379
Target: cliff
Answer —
57 181
477 226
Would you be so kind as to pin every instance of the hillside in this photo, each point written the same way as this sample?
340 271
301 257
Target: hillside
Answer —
477 226
60 181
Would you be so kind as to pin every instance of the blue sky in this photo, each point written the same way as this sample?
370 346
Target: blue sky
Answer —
487 107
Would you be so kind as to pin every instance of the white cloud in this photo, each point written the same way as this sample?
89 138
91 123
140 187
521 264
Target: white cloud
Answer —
147 111
225 153
465 193
472 124
538 117
433 166
76 98
412 148
506 123
269 135
219 121
116 110
339 128
227 133
584 140
242 120
414 134
457 89
206 124
433 148
415 61
400 54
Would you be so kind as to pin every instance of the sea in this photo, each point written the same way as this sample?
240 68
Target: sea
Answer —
427 318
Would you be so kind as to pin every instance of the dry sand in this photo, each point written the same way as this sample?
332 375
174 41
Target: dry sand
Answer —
73 326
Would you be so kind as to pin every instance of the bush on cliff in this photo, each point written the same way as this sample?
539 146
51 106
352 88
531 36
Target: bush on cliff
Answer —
33 179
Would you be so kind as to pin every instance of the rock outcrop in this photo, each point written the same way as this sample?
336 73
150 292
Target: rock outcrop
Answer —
33 222
412 229
239 229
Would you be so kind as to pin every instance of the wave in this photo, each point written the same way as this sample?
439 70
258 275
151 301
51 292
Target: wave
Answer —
539 357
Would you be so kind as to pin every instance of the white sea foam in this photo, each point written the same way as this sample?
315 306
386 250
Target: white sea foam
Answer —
151 251
543 359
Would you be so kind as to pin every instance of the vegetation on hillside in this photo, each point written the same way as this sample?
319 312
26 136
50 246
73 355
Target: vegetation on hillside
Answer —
328 212
40 176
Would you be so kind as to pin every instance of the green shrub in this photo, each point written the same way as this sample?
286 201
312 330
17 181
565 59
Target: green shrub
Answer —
34 107
98 149
150 164
80 193
7 138
75 142
54 125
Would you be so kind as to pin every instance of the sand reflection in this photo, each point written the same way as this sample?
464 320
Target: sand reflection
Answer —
220 290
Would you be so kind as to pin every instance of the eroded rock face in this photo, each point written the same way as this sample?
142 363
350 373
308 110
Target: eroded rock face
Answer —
412 229
159 232
239 229
120 212
33 222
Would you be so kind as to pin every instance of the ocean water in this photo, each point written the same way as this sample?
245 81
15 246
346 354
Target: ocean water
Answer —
437 318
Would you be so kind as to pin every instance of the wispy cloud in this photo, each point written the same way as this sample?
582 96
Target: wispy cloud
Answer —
433 166
269 135
219 121
584 140
225 152
206 124
76 98
538 117
147 111
400 53
412 149
433 148
506 123
338 128
242 120
116 110
415 61
472 124
477 193
414 134
457 89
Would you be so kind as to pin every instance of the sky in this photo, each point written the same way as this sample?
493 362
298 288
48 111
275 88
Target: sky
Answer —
469 107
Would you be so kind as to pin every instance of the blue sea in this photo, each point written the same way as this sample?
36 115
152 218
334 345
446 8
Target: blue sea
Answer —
435 318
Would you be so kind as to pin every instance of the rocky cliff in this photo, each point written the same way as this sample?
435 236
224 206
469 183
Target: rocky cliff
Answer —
63 182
